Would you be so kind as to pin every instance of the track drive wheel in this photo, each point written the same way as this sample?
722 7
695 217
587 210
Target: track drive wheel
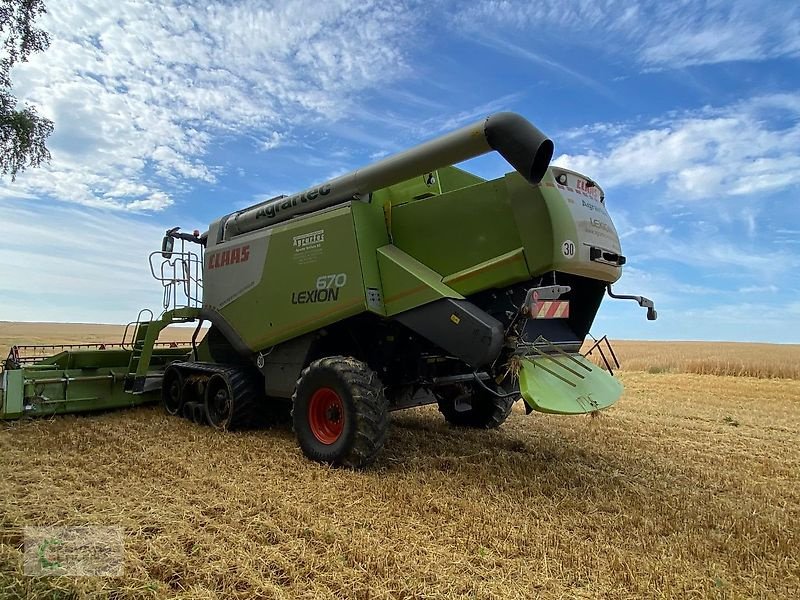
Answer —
218 401
340 413
172 391
232 399
472 406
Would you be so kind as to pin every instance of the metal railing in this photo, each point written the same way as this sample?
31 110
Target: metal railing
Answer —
29 354
145 316
181 275
598 345
569 366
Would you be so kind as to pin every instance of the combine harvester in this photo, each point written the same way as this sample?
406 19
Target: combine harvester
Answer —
404 283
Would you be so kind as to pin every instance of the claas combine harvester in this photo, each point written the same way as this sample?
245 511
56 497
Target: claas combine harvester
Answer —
404 283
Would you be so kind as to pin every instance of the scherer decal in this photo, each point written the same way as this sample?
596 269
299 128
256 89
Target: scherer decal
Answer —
229 256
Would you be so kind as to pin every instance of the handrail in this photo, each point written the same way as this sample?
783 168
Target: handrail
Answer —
181 275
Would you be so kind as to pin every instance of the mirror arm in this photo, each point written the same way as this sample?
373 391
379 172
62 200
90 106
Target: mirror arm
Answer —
195 238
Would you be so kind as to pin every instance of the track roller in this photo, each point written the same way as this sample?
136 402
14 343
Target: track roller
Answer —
194 411
232 399
172 394
225 397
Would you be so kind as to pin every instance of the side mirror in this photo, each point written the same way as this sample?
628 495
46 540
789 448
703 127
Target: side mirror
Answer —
167 244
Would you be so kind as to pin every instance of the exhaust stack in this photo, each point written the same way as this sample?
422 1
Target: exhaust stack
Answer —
525 148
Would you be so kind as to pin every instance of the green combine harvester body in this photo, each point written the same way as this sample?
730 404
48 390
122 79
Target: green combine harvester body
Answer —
404 283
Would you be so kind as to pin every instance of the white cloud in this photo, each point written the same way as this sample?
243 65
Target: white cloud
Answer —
690 311
738 34
590 130
719 258
731 151
271 141
663 288
655 34
501 44
760 289
155 202
690 256
625 230
742 319
77 264
141 91
466 117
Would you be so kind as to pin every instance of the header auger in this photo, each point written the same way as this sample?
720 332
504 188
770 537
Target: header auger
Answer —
403 283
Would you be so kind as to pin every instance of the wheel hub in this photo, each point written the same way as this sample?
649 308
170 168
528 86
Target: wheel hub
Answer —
221 401
326 415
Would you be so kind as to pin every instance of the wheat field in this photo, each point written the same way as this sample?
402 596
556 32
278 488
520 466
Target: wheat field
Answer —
688 487
710 358
12 333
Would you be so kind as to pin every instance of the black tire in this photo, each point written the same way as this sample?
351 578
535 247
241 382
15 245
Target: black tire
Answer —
187 411
218 402
199 413
232 399
487 411
340 413
193 411
172 396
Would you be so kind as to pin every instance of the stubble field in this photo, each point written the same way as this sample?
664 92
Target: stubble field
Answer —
688 487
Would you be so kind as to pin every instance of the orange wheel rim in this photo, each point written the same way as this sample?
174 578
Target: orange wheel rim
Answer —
326 415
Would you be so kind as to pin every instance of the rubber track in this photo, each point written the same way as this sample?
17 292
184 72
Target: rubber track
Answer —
372 409
246 385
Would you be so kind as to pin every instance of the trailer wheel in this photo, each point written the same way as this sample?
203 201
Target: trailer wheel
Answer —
486 411
340 413
172 391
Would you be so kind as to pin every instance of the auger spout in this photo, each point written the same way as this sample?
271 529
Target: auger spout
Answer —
525 148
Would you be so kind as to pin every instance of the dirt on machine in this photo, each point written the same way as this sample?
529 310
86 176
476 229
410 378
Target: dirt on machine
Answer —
404 283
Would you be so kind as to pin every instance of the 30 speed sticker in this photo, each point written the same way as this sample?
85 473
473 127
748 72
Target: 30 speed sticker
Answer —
568 248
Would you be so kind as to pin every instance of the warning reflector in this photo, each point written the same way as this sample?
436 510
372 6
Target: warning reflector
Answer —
550 309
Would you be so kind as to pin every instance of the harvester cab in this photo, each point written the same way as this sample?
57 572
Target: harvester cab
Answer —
407 282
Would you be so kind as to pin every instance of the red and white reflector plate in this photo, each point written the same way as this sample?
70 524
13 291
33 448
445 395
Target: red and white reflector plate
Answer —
550 309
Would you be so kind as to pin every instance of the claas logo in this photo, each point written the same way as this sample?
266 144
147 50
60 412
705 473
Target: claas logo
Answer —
231 256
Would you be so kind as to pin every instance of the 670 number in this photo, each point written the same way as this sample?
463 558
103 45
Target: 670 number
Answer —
325 282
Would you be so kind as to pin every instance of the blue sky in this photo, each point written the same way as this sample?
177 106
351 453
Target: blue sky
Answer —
687 113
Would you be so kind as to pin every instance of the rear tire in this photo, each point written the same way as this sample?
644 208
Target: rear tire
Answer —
340 413
487 411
